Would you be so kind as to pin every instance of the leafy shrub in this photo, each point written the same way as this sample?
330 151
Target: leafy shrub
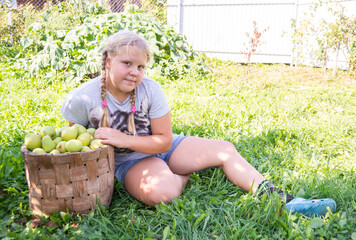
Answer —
329 36
51 17
77 50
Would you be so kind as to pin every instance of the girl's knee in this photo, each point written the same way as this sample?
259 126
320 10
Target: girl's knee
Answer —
230 146
169 189
165 196
227 151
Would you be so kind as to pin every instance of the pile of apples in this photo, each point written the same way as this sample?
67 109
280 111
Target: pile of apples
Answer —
67 139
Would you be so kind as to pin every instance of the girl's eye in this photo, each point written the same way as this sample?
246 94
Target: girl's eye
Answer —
141 67
127 63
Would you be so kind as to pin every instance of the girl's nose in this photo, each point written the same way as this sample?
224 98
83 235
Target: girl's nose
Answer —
133 71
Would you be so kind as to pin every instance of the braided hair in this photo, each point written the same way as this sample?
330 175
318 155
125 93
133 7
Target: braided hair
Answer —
120 39
104 121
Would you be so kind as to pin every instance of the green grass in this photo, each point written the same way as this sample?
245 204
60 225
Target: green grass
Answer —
295 125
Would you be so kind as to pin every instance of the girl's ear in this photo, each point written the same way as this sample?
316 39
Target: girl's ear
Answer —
108 62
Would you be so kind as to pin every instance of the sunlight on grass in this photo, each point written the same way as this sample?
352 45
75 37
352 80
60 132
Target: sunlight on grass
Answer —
295 125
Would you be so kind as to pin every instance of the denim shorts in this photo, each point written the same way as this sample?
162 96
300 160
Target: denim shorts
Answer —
121 170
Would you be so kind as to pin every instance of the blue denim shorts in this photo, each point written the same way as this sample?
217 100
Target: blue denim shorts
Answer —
121 170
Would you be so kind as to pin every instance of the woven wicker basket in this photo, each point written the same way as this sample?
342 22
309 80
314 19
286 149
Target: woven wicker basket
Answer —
74 181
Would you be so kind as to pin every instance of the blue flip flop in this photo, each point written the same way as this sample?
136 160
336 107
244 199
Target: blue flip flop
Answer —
313 207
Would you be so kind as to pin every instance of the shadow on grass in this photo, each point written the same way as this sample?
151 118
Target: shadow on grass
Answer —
210 205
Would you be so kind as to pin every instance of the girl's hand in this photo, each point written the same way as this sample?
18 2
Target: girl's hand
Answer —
159 142
112 137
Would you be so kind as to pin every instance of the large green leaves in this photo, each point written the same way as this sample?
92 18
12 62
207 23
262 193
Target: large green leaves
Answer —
78 50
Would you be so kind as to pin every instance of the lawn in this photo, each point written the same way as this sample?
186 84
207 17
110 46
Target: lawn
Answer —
295 125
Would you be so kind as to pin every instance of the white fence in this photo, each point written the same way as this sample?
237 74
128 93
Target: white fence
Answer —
218 28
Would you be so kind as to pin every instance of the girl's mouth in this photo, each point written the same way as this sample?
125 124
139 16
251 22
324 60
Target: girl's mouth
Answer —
130 81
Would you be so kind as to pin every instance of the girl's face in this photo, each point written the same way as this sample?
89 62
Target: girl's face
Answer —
126 71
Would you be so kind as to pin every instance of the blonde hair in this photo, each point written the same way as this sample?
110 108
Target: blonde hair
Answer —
120 39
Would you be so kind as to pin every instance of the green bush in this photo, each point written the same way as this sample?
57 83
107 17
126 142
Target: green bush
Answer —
76 51
330 36
51 17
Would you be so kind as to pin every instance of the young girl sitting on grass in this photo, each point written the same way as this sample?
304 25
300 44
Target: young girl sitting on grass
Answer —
131 113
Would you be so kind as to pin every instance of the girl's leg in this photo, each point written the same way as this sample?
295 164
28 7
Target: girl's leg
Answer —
194 154
151 182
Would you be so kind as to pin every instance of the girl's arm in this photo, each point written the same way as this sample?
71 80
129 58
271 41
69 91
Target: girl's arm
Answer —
159 142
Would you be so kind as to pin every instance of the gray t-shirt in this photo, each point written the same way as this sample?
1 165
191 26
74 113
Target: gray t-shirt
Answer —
83 106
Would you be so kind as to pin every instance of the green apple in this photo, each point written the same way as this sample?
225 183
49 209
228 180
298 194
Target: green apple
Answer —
32 141
55 151
57 140
61 146
74 145
69 133
85 138
81 129
96 143
38 150
48 144
91 131
85 148
48 130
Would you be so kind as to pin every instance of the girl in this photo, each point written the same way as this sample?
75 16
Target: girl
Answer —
131 113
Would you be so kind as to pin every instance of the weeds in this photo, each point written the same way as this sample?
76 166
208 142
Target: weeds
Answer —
295 125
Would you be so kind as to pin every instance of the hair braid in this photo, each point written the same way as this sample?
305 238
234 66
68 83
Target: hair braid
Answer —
131 121
114 43
104 121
